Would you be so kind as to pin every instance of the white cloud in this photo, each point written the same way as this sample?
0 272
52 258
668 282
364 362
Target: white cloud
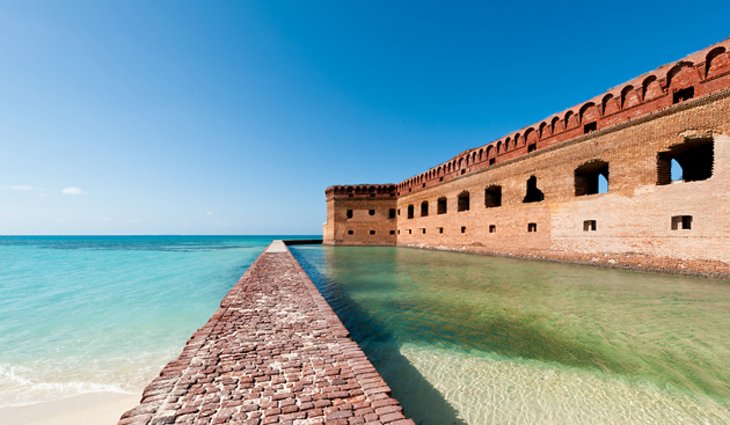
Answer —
21 187
72 190
209 213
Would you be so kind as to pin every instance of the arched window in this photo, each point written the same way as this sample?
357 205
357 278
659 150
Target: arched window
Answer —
441 205
493 196
713 63
533 194
625 94
424 209
591 178
568 116
463 201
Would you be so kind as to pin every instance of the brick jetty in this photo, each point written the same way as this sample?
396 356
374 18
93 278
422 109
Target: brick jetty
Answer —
274 352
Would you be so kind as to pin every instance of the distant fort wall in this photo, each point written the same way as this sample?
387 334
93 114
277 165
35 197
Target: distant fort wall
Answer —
541 192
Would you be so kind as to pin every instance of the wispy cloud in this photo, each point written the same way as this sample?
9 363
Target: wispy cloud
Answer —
72 190
22 187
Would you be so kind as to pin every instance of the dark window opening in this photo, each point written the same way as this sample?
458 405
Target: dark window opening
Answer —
493 196
410 211
463 229
441 230
683 222
372 232
350 232
492 228
463 171
399 231
424 209
441 206
350 195
463 201
533 194
392 232
423 231
532 227
391 213
591 178
683 94
531 147
589 226
590 127
398 211
410 231
372 195
423 184
349 213
441 179
371 212
492 161
689 161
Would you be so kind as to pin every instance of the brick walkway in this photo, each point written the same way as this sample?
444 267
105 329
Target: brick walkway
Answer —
274 352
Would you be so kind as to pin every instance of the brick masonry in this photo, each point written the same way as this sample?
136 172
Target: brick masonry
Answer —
274 352
626 128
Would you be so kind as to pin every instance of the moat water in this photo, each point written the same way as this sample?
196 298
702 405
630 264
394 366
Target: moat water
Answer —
481 340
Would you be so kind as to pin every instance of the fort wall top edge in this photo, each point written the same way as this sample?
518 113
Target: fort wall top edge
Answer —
699 74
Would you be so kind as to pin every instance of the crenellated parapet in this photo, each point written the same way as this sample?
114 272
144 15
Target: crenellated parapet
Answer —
380 191
697 75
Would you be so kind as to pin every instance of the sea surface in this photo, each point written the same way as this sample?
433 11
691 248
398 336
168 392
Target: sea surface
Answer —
482 340
98 314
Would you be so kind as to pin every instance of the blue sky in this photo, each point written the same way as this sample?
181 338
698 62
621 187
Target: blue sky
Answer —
180 117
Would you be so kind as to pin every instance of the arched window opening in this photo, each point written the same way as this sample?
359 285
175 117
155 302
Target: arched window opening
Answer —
463 201
533 194
689 161
591 178
410 211
441 206
554 125
499 147
625 94
711 64
568 116
493 196
424 209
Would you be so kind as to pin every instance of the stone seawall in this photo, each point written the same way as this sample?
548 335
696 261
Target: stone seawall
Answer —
274 352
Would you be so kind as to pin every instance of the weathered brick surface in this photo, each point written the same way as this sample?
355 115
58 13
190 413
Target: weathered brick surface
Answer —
634 123
274 352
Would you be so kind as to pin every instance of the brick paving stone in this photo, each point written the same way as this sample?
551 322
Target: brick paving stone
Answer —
274 352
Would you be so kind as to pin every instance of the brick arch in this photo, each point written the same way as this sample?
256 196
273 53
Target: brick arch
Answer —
554 123
650 88
683 74
516 140
499 147
629 97
587 113
608 104
717 62
530 136
489 151
541 130
567 118
481 154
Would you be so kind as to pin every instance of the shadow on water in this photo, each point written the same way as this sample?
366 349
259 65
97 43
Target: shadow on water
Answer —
420 400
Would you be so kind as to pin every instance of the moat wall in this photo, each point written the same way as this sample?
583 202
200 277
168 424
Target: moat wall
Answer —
644 220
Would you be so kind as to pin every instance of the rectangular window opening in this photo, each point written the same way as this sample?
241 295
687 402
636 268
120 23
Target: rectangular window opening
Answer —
423 231
441 206
689 161
493 196
349 213
591 178
410 211
492 228
463 229
682 95
372 232
531 147
532 227
350 232
371 212
441 230
589 226
391 213
590 127
392 232
682 222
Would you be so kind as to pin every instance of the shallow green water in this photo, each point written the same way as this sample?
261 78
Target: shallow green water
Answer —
464 338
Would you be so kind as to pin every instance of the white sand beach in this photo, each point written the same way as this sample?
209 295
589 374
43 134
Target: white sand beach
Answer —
86 409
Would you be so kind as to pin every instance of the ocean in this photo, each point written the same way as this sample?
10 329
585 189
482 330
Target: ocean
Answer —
84 314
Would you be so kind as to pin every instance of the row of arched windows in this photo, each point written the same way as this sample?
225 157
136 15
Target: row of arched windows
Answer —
676 80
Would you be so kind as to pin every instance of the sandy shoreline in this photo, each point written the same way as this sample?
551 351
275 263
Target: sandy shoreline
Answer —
87 409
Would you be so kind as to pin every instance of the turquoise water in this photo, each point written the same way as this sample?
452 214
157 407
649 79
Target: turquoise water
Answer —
87 314
480 340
